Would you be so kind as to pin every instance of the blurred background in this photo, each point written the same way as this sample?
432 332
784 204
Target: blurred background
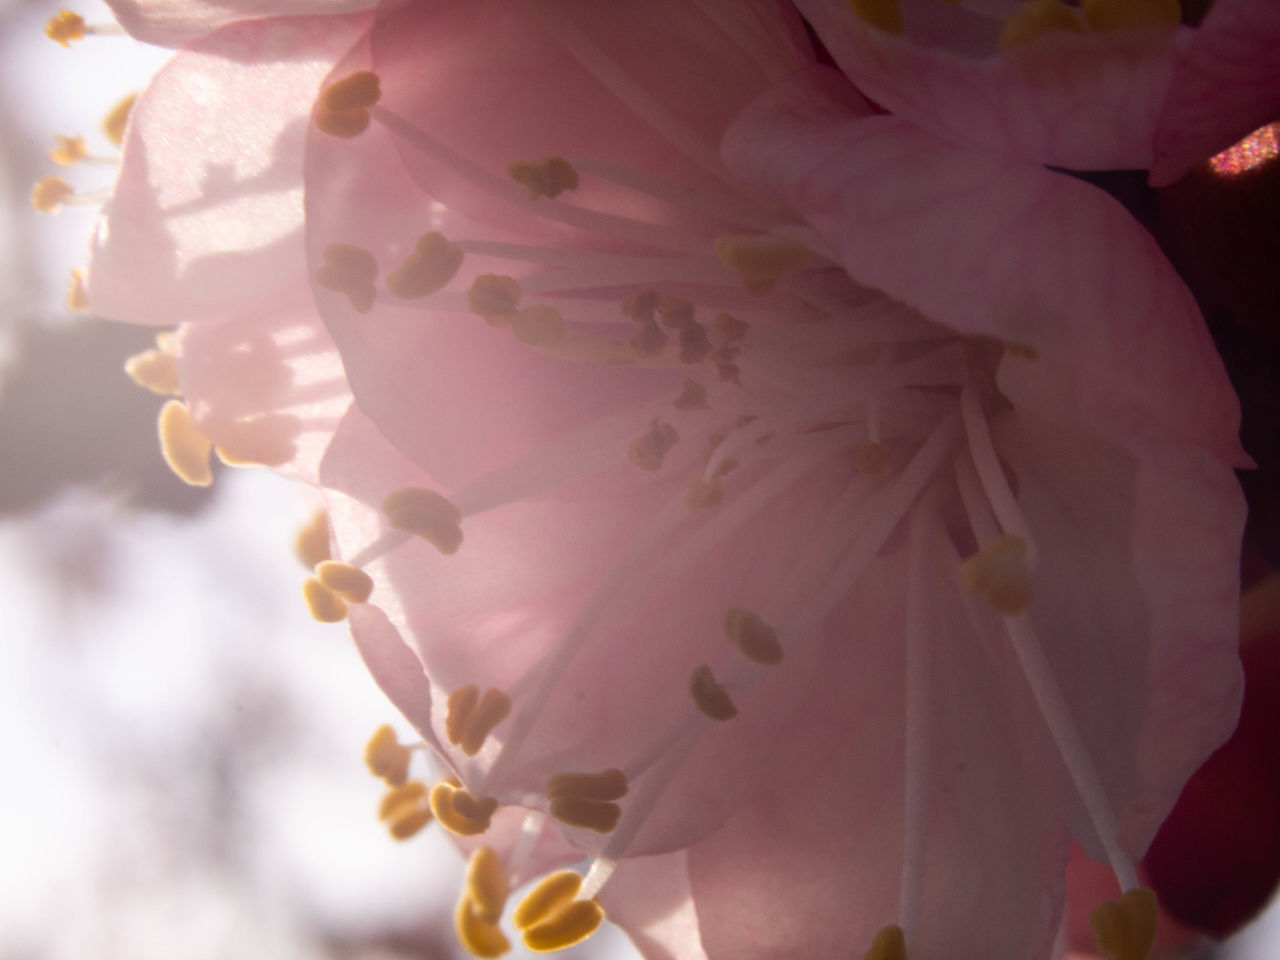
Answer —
180 768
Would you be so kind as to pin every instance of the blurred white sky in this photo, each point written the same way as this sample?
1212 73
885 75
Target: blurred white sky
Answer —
181 774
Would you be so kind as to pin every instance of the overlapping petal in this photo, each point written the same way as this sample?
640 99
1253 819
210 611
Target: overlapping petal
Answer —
174 23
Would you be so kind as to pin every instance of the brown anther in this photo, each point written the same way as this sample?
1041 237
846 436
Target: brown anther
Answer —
693 396
999 574
472 716
311 545
117 119
675 312
709 697
761 260
323 604
598 815
77 298
351 271
730 328
50 193
608 784
889 944
873 459
495 297
185 449
65 26
1020 351
433 263
350 583
342 109
548 177
703 492
881 14
1125 929
648 450
155 370
68 151
462 702
1130 14
650 341
539 325
755 638
426 514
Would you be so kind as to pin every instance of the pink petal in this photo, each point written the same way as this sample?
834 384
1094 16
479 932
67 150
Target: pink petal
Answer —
213 227
650 898
1226 83
175 23
1085 101
1011 251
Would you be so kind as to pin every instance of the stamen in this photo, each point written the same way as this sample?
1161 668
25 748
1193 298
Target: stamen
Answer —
342 109
709 697
882 14
405 794
596 815
648 450
433 263
494 297
692 397
185 449
609 784
552 892
117 119
350 583
323 604
406 822
486 884
569 925
426 514
1036 19
155 370
991 473
703 492
998 573
548 177
459 812
472 717
312 542
50 193
351 271
386 757
68 151
1125 929
761 260
478 936
77 299
64 27
1128 14
755 638
889 944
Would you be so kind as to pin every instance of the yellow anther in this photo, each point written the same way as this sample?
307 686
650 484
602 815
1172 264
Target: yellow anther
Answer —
889 944
538 326
425 514
184 448
648 450
548 177
608 784
1128 14
709 697
755 638
342 109
693 396
760 260
1036 19
883 14
77 298
597 815
730 328
407 795
433 263
322 603
495 297
459 812
472 716
351 271
155 370
311 545
50 193
386 757
873 459
1125 929
551 893
406 821
999 574
478 936
565 927
68 151
65 26
486 884
166 341
350 583
114 123
703 492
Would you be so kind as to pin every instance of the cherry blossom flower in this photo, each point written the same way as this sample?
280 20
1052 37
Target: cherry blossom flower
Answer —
811 522
1101 85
